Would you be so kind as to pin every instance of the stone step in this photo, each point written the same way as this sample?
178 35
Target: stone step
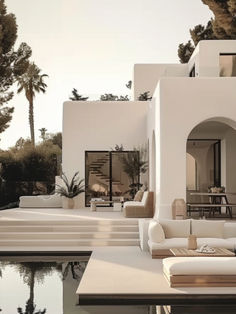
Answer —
74 222
77 243
68 235
81 228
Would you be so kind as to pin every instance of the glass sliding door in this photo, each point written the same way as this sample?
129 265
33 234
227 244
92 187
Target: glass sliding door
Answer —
97 175
111 176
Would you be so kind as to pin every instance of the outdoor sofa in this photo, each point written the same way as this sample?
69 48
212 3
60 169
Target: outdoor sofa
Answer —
141 207
41 201
166 234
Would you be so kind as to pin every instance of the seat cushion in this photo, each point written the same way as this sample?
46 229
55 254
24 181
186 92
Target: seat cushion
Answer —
168 244
199 266
41 201
176 228
207 229
132 203
155 231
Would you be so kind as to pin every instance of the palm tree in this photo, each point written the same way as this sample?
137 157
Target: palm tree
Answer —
31 82
32 271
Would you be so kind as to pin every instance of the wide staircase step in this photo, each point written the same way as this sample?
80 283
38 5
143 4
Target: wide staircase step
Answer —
71 233
69 242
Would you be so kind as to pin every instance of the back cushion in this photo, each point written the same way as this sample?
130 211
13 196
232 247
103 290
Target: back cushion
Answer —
144 198
138 196
207 229
229 230
176 228
155 232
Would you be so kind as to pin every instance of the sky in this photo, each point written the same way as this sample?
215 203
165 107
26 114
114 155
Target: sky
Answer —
92 45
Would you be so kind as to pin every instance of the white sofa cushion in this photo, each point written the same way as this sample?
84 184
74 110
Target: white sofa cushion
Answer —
207 229
168 244
155 231
229 230
199 266
144 198
132 203
216 242
175 228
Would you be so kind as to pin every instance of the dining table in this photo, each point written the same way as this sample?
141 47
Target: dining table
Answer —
216 201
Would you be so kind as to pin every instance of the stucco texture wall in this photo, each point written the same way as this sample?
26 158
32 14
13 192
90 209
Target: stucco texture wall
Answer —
96 125
183 104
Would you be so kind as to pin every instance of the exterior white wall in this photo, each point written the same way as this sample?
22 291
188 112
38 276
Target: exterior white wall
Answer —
190 102
146 76
230 184
100 125
206 57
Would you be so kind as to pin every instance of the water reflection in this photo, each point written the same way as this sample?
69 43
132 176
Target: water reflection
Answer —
44 282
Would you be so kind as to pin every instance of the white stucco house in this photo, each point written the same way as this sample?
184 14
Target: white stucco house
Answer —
193 106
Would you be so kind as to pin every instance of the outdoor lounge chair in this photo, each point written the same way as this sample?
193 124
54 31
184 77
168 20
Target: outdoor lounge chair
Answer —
142 209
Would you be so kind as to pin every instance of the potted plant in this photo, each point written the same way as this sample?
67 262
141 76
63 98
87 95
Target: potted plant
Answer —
71 189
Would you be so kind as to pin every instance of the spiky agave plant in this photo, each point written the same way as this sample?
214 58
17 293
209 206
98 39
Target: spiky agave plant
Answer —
70 189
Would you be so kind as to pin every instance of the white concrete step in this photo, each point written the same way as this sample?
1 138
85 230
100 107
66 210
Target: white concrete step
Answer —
73 222
77 243
61 228
67 235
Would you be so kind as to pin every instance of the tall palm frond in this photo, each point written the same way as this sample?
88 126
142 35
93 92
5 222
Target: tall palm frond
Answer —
32 81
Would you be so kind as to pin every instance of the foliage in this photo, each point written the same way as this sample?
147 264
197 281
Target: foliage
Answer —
43 134
118 148
111 97
222 26
185 51
56 139
25 170
32 81
145 96
71 189
129 84
13 63
134 163
77 97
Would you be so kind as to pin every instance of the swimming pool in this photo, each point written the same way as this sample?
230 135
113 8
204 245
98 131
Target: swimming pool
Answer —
33 283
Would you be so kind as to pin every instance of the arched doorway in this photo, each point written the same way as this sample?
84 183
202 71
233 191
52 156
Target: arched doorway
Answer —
212 144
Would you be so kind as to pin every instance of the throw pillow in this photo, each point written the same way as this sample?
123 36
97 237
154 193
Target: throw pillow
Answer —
138 196
155 232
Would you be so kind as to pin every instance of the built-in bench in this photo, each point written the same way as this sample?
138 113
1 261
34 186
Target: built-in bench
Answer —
211 208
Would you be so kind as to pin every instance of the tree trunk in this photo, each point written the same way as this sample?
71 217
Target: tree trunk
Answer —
31 298
31 121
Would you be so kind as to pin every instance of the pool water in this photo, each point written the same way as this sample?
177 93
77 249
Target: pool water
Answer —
47 285
40 285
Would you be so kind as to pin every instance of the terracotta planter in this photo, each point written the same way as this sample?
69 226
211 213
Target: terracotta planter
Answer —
68 203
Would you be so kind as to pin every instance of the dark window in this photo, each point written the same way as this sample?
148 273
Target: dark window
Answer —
227 64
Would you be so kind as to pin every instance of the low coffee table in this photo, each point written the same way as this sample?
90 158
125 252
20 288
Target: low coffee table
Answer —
219 252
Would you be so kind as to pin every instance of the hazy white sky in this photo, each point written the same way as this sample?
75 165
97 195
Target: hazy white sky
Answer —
92 45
